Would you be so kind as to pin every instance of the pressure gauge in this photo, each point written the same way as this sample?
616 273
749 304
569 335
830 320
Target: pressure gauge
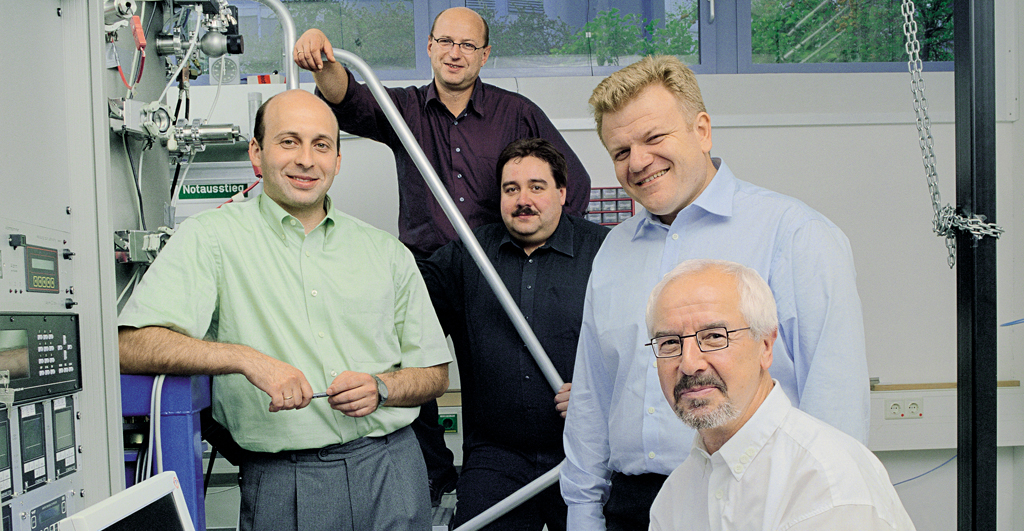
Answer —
229 64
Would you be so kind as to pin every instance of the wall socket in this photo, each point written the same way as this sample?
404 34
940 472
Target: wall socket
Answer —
905 408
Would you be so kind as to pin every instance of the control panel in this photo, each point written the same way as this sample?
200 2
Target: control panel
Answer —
40 354
40 380
35 268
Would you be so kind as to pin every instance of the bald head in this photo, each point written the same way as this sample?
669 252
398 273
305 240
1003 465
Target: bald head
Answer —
292 99
464 15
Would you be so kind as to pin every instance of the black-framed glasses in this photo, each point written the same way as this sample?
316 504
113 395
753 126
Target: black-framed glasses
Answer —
708 340
446 44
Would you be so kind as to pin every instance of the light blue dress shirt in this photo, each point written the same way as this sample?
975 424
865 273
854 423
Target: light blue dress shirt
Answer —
619 419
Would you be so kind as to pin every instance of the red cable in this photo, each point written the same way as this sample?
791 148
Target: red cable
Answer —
251 186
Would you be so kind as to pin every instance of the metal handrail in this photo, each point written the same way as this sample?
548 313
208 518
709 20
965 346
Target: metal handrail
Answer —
448 205
514 500
290 69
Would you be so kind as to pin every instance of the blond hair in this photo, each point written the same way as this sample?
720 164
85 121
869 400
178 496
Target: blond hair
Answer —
620 88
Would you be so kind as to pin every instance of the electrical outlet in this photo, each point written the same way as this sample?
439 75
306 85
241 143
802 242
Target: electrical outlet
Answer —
895 409
914 407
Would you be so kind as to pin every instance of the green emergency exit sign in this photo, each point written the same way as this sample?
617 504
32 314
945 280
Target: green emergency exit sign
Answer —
210 191
449 422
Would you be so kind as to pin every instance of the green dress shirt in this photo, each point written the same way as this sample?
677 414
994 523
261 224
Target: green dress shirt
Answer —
346 296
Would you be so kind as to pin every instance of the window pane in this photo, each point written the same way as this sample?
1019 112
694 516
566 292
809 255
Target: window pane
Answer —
846 31
532 33
382 33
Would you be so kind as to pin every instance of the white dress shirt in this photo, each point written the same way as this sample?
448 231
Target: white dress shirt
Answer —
619 420
783 470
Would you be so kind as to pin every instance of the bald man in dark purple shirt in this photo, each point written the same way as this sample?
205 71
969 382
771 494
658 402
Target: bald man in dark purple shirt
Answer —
461 122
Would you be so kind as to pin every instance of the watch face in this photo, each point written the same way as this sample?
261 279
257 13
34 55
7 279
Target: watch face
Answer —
229 67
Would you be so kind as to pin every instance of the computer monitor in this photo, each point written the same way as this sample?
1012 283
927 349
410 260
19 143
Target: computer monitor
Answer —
156 504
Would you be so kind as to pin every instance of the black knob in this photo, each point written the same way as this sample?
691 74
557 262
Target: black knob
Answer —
68 303
236 45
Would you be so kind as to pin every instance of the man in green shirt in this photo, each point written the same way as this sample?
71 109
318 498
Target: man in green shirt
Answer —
281 297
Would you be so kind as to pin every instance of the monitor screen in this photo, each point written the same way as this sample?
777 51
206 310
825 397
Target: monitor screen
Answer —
156 504
32 438
63 429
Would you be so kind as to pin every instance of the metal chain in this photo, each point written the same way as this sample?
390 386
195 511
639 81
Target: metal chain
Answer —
946 220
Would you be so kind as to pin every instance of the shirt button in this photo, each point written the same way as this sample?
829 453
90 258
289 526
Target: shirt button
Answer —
655 364
293 222
738 468
307 253
321 334
719 494
458 150
530 260
459 176
744 459
527 377
529 287
651 455
313 293
675 236
456 122
751 452
650 410
462 199
282 236
334 373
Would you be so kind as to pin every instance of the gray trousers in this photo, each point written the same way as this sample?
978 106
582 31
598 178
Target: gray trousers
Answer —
369 483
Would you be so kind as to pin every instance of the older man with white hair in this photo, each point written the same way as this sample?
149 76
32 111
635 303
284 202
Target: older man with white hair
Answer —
756 462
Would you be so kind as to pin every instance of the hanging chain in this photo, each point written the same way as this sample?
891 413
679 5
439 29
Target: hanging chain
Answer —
946 220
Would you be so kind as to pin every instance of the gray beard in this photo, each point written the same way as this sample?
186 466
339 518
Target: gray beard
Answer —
708 419
719 416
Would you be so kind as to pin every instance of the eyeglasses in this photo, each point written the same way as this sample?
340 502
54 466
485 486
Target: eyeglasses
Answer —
708 340
446 44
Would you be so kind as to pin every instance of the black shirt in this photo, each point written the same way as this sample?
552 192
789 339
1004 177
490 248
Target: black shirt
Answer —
506 398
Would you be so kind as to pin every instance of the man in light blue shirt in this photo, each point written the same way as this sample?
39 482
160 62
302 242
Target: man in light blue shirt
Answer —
621 438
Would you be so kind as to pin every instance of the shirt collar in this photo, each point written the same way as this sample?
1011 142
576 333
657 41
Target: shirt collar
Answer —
716 199
276 217
474 104
742 448
561 240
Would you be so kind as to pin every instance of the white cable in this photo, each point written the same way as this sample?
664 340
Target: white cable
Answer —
145 464
220 82
184 60
177 189
142 155
131 281
158 382
135 178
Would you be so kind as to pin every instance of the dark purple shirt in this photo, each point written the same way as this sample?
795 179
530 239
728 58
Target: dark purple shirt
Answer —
463 150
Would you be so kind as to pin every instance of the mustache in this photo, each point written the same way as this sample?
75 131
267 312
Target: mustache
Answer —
707 379
525 211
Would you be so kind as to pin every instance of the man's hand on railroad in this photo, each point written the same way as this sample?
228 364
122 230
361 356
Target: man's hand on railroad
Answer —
562 399
308 50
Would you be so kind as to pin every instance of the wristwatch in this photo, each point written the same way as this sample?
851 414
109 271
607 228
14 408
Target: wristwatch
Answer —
382 391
